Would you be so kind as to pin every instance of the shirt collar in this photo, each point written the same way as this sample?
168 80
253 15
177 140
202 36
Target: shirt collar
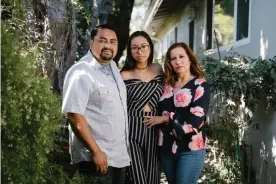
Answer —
94 63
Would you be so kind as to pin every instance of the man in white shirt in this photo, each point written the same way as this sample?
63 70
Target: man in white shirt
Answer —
94 101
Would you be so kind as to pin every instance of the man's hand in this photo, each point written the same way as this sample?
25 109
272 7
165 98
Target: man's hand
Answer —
80 128
155 120
100 160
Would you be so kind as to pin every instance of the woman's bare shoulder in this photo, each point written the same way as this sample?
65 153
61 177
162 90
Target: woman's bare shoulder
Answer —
126 75
156 67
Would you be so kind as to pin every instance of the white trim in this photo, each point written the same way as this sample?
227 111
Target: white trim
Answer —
249 20
213 13
235 43
152 13
205 26
235 20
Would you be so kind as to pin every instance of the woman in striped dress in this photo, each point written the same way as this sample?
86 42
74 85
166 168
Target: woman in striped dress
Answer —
143 81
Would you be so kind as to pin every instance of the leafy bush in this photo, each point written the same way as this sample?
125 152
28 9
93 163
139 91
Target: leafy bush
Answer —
30 113
240 77
238 85
31 119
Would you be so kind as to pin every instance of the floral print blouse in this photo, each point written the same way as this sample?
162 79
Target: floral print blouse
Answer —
187 109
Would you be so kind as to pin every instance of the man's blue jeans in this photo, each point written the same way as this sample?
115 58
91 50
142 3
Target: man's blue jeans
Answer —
184 168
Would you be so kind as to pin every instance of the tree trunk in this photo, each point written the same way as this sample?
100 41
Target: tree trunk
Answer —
62 25
60 32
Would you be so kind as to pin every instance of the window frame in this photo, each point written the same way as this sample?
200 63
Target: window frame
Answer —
236 43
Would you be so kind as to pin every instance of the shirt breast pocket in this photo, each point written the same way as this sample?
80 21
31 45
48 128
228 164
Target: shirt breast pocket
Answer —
105 99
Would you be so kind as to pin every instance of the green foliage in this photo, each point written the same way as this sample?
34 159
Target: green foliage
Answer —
30 113
238 85
244 78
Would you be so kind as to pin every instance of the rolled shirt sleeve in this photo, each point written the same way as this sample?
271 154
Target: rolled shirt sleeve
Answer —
78 86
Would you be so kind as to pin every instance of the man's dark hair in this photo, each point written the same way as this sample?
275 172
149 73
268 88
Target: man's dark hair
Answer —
94 31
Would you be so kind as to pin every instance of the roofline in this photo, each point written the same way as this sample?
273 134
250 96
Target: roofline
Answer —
151 12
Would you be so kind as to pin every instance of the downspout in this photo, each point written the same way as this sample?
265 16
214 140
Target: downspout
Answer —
217 44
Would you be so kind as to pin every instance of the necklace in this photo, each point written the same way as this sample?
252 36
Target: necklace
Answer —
142 68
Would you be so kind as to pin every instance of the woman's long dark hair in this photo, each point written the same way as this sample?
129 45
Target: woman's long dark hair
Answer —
130 63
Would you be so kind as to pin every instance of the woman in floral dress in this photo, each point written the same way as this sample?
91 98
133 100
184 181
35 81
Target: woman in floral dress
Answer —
183 107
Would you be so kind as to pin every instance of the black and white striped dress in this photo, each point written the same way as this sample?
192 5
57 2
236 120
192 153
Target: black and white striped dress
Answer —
145 168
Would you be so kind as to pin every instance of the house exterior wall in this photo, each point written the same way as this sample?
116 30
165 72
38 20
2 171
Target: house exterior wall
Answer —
179 21
262 28
263 142
261 42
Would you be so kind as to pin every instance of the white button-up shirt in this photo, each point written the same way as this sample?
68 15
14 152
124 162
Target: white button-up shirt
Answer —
88 90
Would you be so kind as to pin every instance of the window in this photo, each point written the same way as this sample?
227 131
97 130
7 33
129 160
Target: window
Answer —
164 46
209 25
172 37
229 22
223 25
191 34
242 19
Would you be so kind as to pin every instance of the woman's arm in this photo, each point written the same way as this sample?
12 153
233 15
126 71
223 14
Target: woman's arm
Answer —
197 114
195 119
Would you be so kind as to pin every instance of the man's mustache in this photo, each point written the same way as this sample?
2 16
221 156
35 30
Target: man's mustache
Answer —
107 49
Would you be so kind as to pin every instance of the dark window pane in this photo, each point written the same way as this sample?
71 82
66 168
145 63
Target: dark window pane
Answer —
209 24
191 34
242 19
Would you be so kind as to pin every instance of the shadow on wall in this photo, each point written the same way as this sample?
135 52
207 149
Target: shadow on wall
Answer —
261 135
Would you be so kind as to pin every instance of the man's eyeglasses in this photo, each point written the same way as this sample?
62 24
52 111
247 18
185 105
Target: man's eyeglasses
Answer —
143 48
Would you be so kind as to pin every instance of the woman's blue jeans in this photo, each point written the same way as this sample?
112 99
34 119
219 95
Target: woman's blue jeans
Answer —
184 168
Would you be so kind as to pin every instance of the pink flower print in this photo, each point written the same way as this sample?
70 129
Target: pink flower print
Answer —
199 93
199 81
198 111
160 138
187 128
174 147
183 98
197 142
167 93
